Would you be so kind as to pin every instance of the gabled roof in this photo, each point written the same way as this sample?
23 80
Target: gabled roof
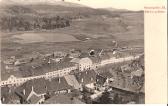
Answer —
75 60
39 87
62 99
58 99
100 80
34 70
83 55
34 99
57 84
105 56
8 95
106 74
95 59
87 77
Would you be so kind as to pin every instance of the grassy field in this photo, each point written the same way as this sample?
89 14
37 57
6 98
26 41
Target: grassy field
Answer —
96 29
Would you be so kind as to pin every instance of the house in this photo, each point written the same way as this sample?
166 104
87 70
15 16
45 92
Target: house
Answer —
87 79
126 68
34 99
9 61
31 88
60 54
74 53
38 88
103 79
22 61
85 64
8 96
63 99
58 86
137 73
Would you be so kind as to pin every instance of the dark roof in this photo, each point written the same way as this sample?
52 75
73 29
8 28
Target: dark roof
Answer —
62 99
39 69
57 84
106 74
87 76
39 86
9 95
100 80
83 55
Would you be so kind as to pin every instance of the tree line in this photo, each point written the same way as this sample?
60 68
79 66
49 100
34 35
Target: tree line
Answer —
17 23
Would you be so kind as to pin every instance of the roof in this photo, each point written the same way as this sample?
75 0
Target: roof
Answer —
106 74
5 74
57 84
75 60
95 59
39 69
59 99
39 86
62 99
100 80
105 56
137 73
34 99
83 55
87 77
9 95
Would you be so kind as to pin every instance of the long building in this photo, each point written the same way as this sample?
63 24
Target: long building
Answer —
81 65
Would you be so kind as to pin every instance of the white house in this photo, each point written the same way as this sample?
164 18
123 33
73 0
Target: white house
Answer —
85 64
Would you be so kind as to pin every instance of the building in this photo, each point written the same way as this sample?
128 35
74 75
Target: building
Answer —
85 64
58 86
34 91
8 96
103 79
63 99
60 54
31 88
87 78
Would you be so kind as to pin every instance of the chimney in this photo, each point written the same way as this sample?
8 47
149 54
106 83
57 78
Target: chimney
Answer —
46 87
10 91
91 78
82 80
3 99
32 88
49 61
59 80
24 91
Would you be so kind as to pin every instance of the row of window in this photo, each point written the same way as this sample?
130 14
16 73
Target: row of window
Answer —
51 74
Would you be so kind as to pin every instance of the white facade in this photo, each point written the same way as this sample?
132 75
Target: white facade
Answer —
12 80
85 64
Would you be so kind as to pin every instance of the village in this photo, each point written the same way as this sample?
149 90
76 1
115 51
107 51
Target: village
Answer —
74 77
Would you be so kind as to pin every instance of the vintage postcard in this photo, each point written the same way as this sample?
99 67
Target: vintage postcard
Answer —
83 51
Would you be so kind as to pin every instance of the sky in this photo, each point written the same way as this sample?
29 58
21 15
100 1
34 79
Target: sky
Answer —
119 4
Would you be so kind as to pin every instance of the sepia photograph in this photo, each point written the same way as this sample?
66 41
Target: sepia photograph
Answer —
71 52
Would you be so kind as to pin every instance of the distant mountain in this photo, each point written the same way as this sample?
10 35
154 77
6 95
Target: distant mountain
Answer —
50 2
49 7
